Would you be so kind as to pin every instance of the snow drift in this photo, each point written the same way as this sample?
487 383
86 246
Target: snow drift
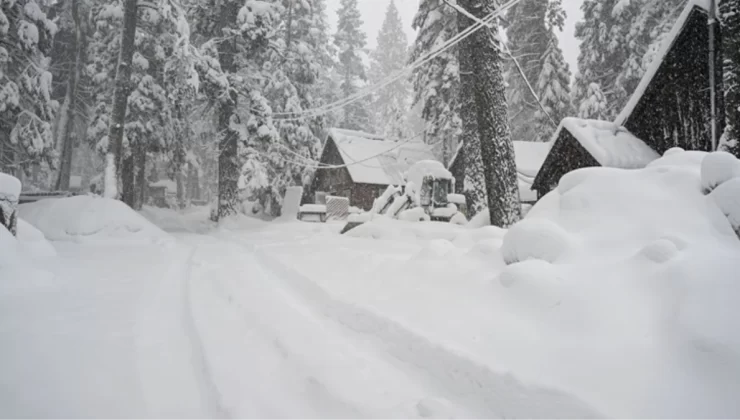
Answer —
89 218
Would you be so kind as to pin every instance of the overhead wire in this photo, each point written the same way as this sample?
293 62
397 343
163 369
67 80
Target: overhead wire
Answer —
325 109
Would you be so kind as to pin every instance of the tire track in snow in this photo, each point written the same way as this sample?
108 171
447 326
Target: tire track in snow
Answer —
173 372
460 378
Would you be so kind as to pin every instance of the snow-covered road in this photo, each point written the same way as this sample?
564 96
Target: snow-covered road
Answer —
212 326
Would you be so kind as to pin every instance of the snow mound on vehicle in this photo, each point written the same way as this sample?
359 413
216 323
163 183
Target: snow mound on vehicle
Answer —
727 197
538 239
33 242
717 168
89 219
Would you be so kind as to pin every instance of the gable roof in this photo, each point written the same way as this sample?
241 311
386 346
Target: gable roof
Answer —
693 6
372 160
610 144
529 156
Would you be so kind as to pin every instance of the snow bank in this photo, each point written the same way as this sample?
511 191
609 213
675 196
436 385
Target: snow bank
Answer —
9 249
89 219
538 239
32 242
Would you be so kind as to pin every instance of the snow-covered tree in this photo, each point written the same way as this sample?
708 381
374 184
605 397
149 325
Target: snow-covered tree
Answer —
533 42
350 42
619 38
26 105
436 84
391 104
235 38
483 81
730 14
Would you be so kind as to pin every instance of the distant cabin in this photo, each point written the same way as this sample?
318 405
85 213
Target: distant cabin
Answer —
581 143
363 165
529 158
671 106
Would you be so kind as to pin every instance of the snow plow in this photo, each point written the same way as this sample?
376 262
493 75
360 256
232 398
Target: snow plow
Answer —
427 195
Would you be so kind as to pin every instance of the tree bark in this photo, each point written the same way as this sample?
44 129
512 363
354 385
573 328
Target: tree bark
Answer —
64 131
228 169
120 100
128 179
474 181
486 84
141 184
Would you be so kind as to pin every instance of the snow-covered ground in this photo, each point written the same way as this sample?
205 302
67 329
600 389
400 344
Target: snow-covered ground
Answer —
616 297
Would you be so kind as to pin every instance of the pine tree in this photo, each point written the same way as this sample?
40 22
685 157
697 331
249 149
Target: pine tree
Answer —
482 58
391 104
351 41
26 105
436 84
533 42
237 37
553 87
730 15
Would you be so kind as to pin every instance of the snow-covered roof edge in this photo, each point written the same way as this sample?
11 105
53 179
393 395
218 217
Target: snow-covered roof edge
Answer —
333 133
654 66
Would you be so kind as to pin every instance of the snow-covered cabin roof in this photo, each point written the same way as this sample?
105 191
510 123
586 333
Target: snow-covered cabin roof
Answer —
372 160
660 56
610 144
529 156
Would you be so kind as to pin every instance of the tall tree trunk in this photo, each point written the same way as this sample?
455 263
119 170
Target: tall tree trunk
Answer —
228 169
486 84
114 158
474 182
66 119
128 179
141 183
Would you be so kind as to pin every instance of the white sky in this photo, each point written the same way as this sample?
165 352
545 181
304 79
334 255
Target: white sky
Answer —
373 12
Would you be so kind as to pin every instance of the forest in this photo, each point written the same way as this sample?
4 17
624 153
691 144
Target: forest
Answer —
231 100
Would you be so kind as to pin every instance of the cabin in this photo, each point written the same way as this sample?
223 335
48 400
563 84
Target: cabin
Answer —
360 166
671 107
581 143
529 156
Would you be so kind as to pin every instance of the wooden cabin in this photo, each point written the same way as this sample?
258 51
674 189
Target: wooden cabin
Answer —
671 106
581 143
366 165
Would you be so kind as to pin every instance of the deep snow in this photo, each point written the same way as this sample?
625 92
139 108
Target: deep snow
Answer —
618 300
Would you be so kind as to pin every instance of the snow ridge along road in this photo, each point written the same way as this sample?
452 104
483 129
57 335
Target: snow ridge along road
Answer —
452 384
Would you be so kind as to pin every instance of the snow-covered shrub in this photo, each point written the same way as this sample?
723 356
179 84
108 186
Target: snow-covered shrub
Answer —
416 214
727 198
539 239
717 168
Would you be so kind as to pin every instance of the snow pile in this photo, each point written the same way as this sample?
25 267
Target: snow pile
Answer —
538 239
390 229
9 249
89 219
191 219
422 169
32 242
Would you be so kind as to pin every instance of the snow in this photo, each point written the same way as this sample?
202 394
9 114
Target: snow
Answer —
32 242
419 170
619 300
611 145
169 185
530 156
717 168
291 203
371 160
89 219
652 69
10 185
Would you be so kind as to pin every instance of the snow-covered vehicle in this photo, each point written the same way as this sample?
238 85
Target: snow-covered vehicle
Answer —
427 195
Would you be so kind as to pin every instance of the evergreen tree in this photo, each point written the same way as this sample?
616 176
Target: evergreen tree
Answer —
483 66
26 106
436 84
350 42
730 14
391 104
533 42
553 87
236 39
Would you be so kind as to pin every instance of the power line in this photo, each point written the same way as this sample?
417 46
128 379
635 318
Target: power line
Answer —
324 109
